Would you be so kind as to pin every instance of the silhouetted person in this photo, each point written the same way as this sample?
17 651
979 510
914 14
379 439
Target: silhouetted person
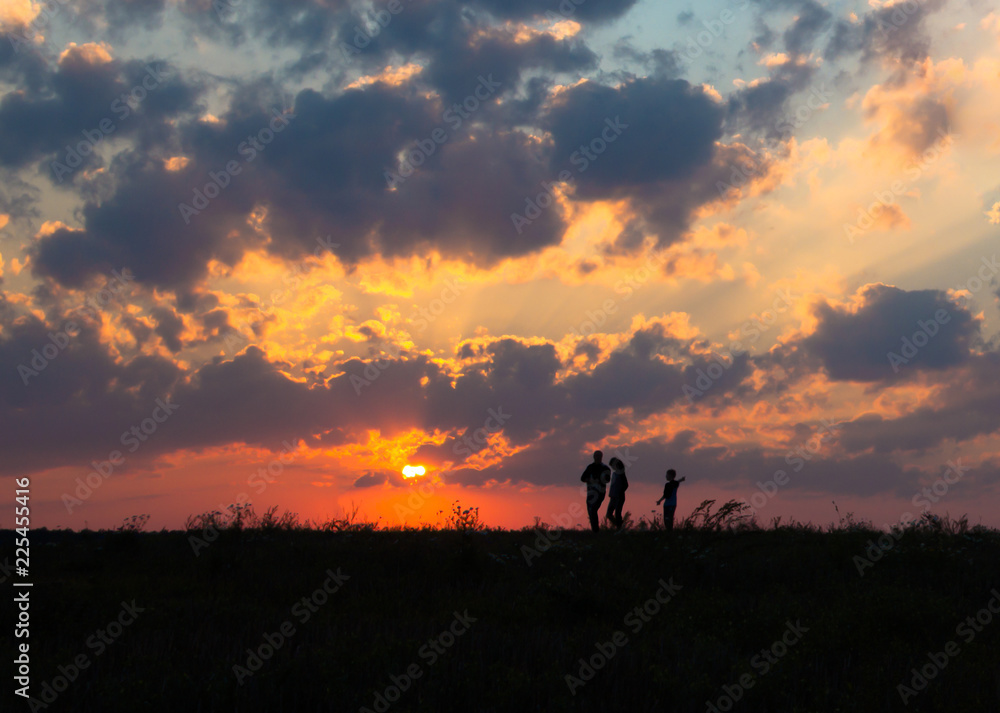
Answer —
669 499
616 497
596 476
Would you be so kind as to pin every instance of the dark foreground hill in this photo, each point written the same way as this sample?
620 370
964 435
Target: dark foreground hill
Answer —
786 619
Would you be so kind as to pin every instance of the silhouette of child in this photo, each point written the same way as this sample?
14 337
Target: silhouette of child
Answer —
669 499
616 499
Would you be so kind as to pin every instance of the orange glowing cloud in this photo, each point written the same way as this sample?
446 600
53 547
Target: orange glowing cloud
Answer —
18 13
87 53
176 163
391 75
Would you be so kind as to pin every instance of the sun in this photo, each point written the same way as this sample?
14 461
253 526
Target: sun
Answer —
412 471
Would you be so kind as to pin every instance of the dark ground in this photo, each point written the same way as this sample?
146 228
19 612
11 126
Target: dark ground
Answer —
853 639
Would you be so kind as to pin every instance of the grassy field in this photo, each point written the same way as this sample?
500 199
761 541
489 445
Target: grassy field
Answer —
279 618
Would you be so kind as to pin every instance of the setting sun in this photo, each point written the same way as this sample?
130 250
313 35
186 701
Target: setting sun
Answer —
412 471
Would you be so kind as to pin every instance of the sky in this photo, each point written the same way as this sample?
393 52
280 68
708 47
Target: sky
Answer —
272 252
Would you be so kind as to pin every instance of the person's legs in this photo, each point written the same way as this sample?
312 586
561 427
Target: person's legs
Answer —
668 517
615 510
594 500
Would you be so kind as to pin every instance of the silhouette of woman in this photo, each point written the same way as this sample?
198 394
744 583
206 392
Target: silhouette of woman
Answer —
619 484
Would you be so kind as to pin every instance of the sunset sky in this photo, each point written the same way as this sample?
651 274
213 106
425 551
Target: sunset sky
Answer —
274 251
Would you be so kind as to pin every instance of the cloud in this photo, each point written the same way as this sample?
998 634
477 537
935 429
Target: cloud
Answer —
891 33
924 329
89 100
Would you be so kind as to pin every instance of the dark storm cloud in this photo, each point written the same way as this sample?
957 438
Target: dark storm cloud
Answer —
62 395
337 173
122 16
651 140
249 400
810 19
21 61
465 171
17 198
763 107
455 70
580 10
456 46
169 327
371 478
896 32
92 399
671 130
892 335
461 203
84 106
810 23
323 174
139 227
969 407
329 31
661 63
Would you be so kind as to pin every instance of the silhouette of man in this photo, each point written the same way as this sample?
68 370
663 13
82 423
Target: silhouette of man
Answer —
596 476
616 493
669 499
